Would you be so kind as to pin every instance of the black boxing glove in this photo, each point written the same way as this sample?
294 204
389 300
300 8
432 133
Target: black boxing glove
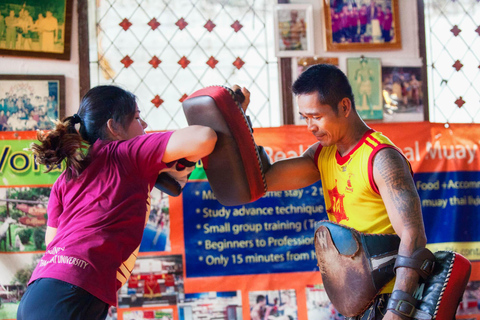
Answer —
173 179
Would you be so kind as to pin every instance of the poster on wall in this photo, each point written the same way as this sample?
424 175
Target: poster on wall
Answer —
31 102
155 281
402 94
358 25
293 30
365 76
40 28
258 257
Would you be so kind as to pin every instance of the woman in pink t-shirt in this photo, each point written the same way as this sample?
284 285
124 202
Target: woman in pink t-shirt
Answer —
98 205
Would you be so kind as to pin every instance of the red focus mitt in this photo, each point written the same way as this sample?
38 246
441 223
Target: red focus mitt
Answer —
235 169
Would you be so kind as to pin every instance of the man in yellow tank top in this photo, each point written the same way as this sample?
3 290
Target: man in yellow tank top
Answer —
367 182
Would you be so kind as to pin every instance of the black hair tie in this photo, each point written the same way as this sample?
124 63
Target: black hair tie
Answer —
76 119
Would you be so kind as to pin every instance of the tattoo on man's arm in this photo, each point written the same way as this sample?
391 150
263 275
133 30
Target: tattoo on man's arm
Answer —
391 166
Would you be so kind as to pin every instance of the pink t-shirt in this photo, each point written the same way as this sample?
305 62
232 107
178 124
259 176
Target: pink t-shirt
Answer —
100 216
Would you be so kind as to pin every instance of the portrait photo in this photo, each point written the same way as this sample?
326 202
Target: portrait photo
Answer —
211 305
319 305
402 94
273 305
352 25
155 281
156 235
293 30
31 102
39 28
365 76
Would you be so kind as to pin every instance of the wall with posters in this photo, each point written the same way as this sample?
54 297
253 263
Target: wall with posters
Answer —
202 260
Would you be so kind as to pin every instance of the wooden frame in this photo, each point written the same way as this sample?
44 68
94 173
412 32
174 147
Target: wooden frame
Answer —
40 29
293 30
371 29
31 102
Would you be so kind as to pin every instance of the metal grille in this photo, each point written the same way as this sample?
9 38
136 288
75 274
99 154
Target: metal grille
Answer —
452 30
165 50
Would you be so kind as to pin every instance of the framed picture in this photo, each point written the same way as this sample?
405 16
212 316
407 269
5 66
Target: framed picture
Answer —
300 64
31 102
365 76
293 30
358 25
402 94
40 28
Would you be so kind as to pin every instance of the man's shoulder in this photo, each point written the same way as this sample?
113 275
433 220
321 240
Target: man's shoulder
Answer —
381 138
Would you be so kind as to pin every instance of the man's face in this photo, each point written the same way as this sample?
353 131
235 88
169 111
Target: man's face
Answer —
321 120
294 15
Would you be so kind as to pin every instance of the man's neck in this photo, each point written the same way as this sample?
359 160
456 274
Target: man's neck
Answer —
352 137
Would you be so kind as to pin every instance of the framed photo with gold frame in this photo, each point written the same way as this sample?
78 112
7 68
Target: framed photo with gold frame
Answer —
31 102
293 30
40 28
359 25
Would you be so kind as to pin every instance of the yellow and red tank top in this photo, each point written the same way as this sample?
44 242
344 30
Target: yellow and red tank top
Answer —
351 195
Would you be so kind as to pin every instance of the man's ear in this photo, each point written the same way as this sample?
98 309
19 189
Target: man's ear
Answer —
113 130
345 107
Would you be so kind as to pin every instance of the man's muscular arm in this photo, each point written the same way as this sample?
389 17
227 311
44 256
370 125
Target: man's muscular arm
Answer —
397 188
293 173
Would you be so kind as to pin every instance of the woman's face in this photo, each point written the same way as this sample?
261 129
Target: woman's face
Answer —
135 128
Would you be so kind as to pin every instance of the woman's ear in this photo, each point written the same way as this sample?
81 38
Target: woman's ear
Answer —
113 130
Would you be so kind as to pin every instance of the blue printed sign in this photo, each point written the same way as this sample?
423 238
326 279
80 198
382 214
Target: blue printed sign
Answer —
273 234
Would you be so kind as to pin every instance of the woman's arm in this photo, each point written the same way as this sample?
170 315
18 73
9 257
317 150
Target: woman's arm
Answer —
191 143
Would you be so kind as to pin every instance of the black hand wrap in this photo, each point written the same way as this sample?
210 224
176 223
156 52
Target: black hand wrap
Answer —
184 163
173 179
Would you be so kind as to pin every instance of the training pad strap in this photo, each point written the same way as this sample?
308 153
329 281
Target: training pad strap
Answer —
422 261
404 305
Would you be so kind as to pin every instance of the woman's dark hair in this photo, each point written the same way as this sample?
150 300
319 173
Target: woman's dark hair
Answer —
328 81
64 142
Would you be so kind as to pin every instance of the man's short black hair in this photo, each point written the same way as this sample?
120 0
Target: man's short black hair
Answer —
328 81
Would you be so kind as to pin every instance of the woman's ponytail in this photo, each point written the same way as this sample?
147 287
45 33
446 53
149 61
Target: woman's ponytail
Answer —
64 142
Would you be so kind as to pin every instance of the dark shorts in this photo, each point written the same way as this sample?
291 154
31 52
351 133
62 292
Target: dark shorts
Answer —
53 299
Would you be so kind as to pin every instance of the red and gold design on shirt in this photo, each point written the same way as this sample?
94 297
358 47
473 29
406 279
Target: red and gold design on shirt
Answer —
351 196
